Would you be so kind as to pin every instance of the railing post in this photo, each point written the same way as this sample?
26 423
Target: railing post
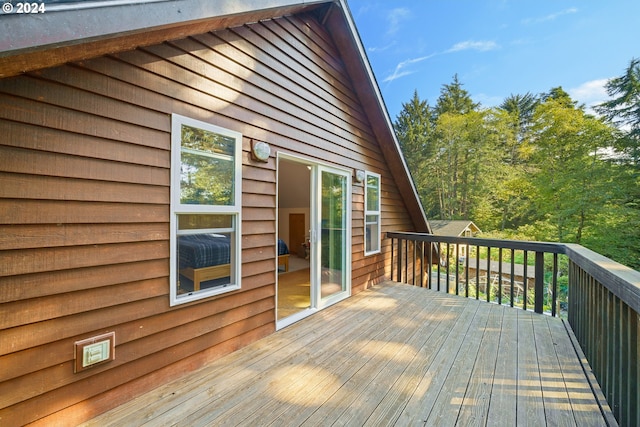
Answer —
539 283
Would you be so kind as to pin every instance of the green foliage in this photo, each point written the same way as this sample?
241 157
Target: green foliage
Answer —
414 128
206 167
454 99
624 107
535 168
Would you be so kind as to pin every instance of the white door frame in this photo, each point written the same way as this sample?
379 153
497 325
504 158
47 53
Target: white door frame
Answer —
317 303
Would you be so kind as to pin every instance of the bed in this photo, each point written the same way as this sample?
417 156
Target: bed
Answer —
206 258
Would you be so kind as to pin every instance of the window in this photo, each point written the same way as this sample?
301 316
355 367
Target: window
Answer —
206 202
372 229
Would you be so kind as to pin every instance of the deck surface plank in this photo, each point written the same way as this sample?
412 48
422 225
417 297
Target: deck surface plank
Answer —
556 401
529 406
449 400
475 405
391 355
502 407
395 400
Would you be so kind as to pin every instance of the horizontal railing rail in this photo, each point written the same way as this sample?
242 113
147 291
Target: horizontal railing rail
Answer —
599 297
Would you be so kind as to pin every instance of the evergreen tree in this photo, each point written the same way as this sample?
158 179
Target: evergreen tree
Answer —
561 98
624 108
414 128
520 109
454 99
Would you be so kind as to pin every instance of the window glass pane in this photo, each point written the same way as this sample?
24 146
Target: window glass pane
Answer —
372 236
333 234
206 167
205 260
198 222
373 193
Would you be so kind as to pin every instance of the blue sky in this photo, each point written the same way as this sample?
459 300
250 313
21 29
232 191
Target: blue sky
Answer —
497 47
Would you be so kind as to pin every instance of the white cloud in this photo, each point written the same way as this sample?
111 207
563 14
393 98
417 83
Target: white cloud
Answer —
398 72
550 17
396 75
488 101
590 93
395 18
401 68
382 48
481 46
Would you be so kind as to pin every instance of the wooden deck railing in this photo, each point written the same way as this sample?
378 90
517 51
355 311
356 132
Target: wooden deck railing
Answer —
599 297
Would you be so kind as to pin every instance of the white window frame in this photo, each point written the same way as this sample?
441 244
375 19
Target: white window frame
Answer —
377 213
178 208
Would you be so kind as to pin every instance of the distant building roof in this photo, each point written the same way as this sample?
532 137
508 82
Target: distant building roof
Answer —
453 228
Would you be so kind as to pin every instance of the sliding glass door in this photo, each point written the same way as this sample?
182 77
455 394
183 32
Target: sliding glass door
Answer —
333 235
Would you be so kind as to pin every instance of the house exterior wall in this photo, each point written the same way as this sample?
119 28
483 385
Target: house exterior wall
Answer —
84 206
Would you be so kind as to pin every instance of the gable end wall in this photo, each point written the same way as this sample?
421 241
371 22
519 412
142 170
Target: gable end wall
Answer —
84 206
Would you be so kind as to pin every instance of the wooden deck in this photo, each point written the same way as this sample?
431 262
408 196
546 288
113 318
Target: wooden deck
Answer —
393 355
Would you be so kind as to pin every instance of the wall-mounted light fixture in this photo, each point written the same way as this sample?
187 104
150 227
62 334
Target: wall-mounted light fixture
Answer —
359 175
260 150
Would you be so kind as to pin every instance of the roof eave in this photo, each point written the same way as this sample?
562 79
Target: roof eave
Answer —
73 33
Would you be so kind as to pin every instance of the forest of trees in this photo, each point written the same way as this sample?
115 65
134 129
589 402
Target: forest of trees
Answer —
538 167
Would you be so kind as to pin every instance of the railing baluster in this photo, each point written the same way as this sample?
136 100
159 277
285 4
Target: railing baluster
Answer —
429 277
416 267
456 267
513 274
500 276
399 261
525 280
488 286
422 260
438 266
466 271
392 258
539 283
406 261
554 286
447 264
477 272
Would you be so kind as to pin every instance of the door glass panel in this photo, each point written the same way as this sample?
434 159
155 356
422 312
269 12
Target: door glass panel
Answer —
333 234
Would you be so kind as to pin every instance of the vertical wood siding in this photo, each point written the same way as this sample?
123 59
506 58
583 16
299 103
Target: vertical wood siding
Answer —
84 206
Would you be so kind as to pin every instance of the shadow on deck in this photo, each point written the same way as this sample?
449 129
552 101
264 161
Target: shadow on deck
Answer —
394 354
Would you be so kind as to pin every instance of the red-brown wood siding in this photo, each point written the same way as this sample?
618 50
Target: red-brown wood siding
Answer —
84 206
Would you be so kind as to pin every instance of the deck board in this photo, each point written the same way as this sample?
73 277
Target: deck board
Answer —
502 407
392 355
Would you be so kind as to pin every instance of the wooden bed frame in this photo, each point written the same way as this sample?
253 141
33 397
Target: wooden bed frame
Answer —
199 275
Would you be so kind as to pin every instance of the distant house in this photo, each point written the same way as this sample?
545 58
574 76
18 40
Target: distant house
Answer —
148 157
454 228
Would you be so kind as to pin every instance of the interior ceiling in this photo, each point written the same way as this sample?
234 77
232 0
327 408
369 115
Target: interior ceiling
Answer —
294 183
